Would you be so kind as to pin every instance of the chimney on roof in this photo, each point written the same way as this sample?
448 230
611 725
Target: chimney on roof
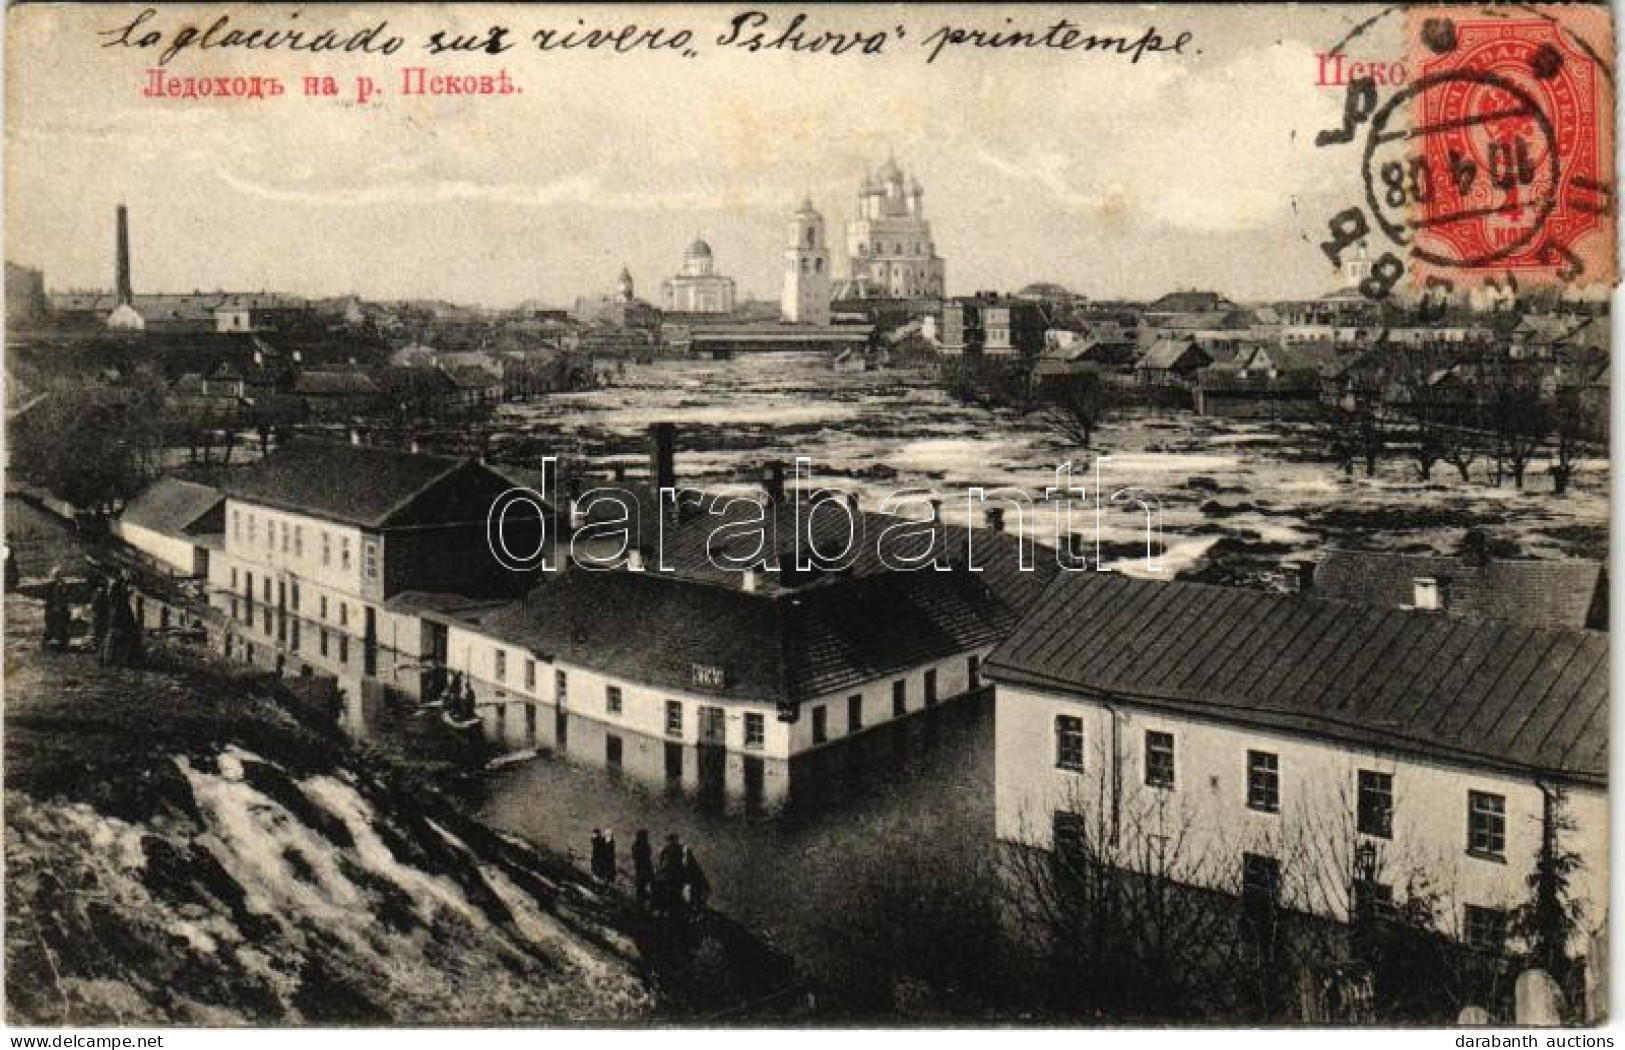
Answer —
122 276
1475 547
662 456
773 484
1306 576
852 502
995 518
936 510
1073 550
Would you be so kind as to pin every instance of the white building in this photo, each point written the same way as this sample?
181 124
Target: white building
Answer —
888 242
698 288
1310 749
175 524
322 542
806 269
755 662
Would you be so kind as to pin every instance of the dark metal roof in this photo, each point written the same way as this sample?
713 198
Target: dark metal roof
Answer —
1490 693
654 628
355 484
1567 593
172 507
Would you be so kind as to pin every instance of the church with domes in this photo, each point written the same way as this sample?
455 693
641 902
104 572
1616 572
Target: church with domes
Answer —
697 288
890 253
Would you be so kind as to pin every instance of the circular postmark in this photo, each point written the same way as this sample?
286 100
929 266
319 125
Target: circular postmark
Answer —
1462 168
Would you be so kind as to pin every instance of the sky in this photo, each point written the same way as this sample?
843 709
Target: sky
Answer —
1113 178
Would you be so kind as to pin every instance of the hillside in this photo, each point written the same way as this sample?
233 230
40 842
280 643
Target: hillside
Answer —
182 848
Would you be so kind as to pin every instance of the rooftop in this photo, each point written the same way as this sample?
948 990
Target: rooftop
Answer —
172 507
1496 694
1568 593
362 485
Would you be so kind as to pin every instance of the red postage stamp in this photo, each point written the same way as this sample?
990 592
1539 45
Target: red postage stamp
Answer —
1498 158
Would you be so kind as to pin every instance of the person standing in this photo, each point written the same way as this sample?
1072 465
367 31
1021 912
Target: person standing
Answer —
699 887
122 646
669 877
14 574
610 862
58 617
643 866
597 864
100 606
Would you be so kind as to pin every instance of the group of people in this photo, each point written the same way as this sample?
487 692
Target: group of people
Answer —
115 634
671 886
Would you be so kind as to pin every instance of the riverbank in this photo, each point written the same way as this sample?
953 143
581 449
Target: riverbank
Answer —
186 846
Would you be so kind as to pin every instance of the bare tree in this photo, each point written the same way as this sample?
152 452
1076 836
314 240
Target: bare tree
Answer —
1519 417
1074 406
1572 425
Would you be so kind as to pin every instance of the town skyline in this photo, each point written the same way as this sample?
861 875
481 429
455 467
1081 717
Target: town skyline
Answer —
1044 179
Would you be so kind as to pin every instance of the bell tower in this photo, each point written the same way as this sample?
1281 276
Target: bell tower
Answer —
806 268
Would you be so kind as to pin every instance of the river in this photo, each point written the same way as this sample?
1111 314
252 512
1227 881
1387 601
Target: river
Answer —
1231 494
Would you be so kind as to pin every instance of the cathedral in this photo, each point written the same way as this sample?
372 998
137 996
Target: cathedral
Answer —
698 288
890 254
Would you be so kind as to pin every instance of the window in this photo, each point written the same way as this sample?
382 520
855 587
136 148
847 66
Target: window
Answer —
1069 743
674 718
612 699
293 595
1067 834
237 525
502 665
323 641
973 671
344 552
298 541
612 750
1486 824
344 614
854 713
266 584
322 602
561 686
820 726
1484 927
1260 879
1159 759
251 528
1263 781
930 687
530 676
755 729
369 559
1426 593
1376 803
899 698
234 578
344 648
327 548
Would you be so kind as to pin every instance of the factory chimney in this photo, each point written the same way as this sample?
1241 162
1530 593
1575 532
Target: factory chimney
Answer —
122 285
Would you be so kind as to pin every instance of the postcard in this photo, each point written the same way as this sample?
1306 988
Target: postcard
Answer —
807 515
